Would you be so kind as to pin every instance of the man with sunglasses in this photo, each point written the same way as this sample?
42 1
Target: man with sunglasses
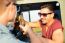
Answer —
51 28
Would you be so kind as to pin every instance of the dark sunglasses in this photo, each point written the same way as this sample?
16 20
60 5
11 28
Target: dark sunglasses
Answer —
44 14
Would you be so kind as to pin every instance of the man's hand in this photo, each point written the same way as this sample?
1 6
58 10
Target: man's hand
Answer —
24 28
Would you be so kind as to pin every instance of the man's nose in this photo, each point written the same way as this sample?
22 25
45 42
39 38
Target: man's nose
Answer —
42 16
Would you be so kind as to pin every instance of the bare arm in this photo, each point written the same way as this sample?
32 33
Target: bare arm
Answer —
34 24
33 37
31 24
57 37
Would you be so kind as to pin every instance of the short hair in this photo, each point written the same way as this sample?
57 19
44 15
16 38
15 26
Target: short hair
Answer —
49 6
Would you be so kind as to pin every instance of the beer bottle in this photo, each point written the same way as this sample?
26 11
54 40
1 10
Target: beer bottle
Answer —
17 32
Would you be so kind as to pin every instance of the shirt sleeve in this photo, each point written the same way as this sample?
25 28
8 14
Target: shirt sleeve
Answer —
57 25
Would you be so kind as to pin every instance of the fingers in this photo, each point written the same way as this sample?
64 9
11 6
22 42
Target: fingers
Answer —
21 26
24 28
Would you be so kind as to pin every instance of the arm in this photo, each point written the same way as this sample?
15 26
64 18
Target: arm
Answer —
33 37
31 24
34 24
57 37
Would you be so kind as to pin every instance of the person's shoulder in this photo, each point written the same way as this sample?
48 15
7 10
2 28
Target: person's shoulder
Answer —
57 22
57 25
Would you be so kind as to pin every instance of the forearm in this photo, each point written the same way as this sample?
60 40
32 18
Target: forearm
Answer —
46 40
36 39
33 24
33 37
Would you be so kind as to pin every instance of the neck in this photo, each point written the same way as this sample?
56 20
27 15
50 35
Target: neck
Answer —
3 17
3 20
50 22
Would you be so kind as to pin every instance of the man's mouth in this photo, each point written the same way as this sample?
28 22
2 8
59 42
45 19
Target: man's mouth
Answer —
43 22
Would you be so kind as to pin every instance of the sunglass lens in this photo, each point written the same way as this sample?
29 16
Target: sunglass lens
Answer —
42 14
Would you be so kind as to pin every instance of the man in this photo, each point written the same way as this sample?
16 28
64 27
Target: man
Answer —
51 28
7 13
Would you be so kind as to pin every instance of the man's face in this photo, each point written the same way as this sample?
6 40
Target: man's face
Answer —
11 11
46 15
8 8
3 5
7 2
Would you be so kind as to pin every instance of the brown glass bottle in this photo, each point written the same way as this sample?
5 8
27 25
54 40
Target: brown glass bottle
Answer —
17 32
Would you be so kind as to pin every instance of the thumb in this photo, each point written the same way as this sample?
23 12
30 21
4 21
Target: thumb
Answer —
21 26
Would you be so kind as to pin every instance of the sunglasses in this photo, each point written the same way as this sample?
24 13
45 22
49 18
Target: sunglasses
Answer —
44 14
